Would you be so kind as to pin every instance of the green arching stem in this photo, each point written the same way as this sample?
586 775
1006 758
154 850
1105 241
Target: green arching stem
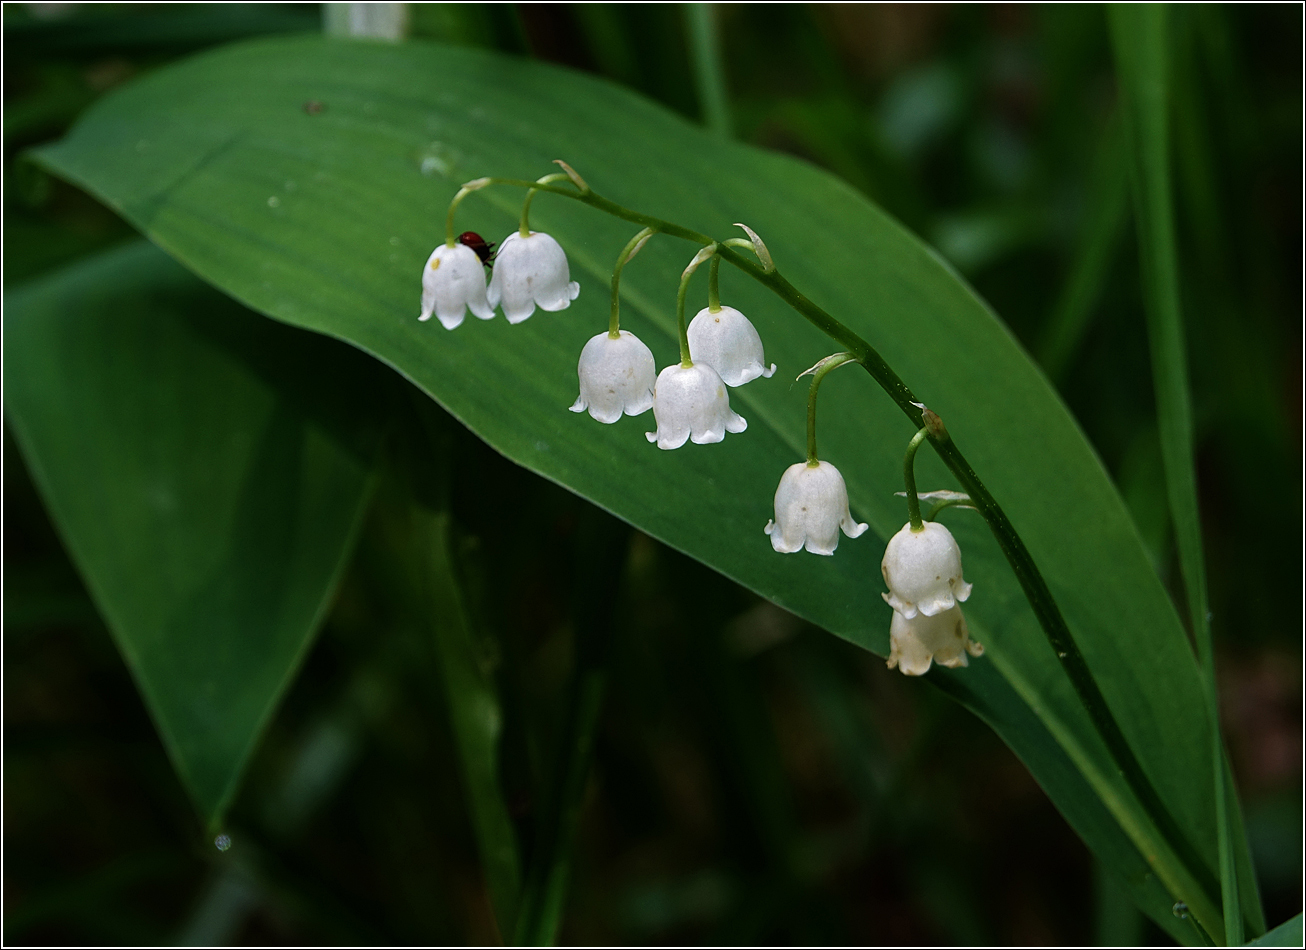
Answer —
909 479
819 371
713 285
1022 562
449 238
704 254
940 505
525 229
630 250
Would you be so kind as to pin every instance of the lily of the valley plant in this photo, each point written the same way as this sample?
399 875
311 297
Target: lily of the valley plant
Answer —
721 349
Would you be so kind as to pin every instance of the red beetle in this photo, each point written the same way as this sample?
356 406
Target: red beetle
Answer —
477 243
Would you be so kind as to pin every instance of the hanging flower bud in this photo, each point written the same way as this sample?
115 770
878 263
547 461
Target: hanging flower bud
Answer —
529 271
811 505
616 376
729 343
691 402
923 571
453 281
942 638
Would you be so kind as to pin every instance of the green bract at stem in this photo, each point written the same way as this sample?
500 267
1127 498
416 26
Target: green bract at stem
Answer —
1022 562
633 247
525 229
909 479
476 185
818 373
940 505
700 257
713 285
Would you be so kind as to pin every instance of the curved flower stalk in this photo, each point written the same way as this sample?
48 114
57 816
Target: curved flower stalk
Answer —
616 370
690 404
922 567
690 401
811 505
530 270
616 376
453 282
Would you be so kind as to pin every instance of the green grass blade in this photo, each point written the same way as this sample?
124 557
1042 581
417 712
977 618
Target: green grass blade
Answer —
596 585
1139 37
474 710
1104 223
709 71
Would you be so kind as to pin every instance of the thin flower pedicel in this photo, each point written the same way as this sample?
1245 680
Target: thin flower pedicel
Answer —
811 503
616 371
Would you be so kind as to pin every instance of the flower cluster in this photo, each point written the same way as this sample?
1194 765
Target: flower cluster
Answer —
922 567
528 271
720 349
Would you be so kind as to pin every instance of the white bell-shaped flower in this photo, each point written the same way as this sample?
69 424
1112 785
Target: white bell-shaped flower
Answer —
691 402
923 571
729 343
942 638
530 271
453 281
811 505
616 376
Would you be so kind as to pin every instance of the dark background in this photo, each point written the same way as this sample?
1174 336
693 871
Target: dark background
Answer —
755 780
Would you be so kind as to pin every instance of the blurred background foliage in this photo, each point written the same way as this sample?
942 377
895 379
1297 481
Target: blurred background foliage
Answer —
754 780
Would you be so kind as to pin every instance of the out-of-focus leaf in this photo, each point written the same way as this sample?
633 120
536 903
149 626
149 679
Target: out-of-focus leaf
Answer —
323 218
474 710
1103 225
1139 34
207 469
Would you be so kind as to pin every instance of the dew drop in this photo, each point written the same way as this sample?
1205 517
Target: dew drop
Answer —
1062 655
274 202
437 158
223 842
1180 910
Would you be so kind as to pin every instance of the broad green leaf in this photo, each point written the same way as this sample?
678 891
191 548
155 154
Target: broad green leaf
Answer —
207 475
323 218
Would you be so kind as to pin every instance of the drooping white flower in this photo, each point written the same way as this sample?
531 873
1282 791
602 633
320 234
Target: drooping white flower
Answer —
616 376
923 571
942 638
811 505
729 343
691 402
453 280
530 271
